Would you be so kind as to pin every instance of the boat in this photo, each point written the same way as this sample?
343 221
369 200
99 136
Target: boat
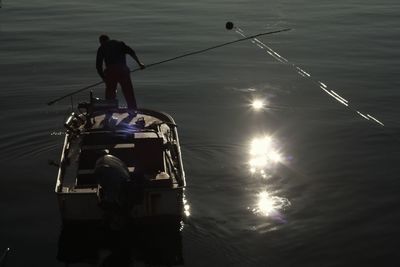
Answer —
117 164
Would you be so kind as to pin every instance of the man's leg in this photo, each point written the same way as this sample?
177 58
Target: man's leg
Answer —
127 90
111 80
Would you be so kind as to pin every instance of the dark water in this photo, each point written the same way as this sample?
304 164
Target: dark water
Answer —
332 200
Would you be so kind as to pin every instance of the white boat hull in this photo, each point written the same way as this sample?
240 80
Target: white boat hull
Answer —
147 146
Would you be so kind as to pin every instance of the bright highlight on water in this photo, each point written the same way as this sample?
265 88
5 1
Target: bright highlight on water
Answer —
268 205
257 104
264 155
186 206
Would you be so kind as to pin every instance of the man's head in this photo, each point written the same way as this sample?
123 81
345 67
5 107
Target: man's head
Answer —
103 38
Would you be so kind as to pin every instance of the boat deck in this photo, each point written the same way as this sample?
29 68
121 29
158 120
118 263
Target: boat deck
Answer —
138 140
146 143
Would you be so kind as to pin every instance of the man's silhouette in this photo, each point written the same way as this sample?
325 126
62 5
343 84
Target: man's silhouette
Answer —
113 52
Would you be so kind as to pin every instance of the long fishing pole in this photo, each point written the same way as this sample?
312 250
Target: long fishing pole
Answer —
229 26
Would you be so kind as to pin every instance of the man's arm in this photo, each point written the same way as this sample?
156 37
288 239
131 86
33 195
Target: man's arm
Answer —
99 63
132 53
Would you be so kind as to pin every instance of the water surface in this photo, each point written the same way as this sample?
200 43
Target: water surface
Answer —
332 198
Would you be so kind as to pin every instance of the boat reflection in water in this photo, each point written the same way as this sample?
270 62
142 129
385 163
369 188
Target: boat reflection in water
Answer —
265 156
96 245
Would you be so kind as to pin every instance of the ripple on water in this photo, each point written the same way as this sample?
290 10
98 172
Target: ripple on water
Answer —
37 135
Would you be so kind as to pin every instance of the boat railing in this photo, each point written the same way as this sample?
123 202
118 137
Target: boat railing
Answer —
63 163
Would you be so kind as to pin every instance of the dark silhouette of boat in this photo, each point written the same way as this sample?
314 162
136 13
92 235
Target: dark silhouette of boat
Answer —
117 164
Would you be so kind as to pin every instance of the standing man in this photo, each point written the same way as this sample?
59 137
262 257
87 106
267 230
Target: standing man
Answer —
113 52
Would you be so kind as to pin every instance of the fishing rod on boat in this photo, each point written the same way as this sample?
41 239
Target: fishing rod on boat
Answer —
213 47
229 26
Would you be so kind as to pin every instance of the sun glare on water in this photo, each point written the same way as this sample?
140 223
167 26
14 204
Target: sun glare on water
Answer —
257 104
264 154
268 205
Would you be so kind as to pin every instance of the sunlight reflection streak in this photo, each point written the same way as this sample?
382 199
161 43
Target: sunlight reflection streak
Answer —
336 98
376 120
303 73
362 115
344 100
323 85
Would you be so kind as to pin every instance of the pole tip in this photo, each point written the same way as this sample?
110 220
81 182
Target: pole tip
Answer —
229 25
